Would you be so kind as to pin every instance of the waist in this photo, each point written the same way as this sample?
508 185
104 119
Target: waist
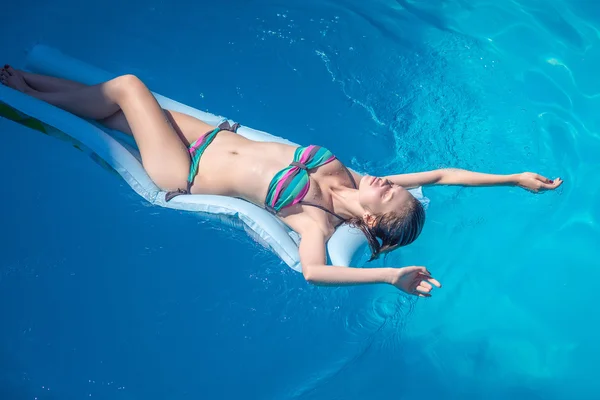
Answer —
235 166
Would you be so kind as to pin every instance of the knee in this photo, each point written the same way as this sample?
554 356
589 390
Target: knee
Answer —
128 85
129 80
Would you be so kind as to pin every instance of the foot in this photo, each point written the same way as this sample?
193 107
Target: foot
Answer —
14 79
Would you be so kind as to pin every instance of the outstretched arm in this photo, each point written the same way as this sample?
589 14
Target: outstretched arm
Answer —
451 176
412 280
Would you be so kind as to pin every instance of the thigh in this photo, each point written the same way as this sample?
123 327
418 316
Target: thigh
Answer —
164 155
188 128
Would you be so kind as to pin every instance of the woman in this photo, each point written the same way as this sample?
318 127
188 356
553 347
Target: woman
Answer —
307 187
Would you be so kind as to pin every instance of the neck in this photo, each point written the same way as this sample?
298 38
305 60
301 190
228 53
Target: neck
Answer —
345 202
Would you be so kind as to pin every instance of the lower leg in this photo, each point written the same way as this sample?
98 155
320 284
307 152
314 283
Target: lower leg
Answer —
44 83
117 121
187 127
95 102
36 84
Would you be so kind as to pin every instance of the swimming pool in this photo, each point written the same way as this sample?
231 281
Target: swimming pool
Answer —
118 300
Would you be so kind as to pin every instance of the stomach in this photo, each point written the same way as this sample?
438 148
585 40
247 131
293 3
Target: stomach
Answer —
233 165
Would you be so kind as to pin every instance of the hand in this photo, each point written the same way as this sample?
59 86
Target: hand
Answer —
414 280
537 183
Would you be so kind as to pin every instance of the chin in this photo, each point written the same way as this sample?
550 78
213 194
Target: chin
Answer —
362 180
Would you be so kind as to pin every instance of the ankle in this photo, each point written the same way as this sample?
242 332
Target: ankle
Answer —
29 90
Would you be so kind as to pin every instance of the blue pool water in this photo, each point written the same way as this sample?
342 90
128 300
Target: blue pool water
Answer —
103 296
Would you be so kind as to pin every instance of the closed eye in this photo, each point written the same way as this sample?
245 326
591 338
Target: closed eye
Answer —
389 194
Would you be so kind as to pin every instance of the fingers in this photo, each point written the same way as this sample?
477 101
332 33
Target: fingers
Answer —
423 285
421 282
419 269
552 184
420 293
541 178
427 280
434 282
541 183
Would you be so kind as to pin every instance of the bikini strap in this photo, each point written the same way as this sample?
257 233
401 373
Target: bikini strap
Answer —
307 203
174 193
226 126
350 175
270 209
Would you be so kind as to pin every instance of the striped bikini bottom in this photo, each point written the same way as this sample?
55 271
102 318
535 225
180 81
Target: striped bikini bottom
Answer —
196 150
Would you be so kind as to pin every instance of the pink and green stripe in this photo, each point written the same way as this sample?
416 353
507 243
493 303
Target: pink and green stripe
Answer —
290 185
197 148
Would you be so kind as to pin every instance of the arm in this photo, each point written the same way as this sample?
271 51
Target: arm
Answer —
526 180
413 280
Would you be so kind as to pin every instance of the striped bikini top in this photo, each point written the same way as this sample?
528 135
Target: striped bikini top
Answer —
290 185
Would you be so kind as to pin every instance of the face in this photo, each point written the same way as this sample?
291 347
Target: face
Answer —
380 196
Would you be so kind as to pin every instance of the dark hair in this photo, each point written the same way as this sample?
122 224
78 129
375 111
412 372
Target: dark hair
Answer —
394 229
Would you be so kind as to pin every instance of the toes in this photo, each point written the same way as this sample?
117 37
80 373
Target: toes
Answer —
4 76
11 71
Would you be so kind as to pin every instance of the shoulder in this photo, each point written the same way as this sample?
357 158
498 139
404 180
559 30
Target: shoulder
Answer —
304 220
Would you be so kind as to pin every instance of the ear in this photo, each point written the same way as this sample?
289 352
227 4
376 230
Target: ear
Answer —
369 219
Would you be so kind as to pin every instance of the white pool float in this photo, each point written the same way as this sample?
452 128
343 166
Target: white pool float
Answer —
117 151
